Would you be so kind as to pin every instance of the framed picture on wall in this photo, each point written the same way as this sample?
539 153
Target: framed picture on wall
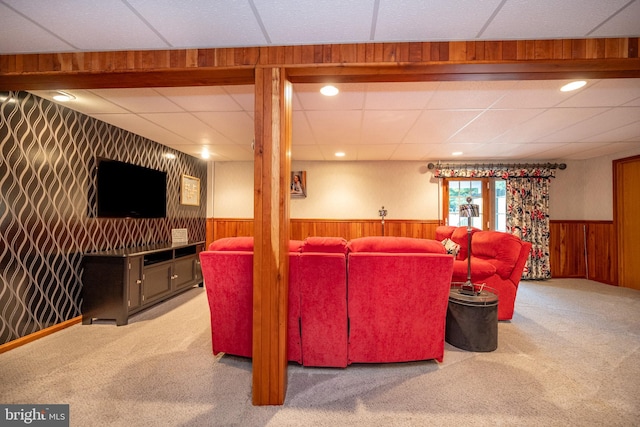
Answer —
298 185
190 191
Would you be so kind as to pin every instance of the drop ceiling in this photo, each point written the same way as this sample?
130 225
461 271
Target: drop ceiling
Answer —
498 120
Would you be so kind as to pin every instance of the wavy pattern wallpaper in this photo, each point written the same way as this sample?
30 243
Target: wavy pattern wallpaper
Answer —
48 206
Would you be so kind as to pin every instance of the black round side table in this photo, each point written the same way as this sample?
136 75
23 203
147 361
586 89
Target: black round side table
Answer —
472 320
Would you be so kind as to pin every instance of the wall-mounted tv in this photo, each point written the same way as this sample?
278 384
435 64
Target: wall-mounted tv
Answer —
125 190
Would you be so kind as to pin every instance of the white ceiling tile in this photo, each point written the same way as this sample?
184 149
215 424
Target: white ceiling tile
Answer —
438 125
201 98
301 131
201 23
398 96
610 120
534 94
329 151
73 20
432 20
20 35
466 95
550 121
233 152
188 126
606 150
386 126
341 127
550 18
605 93
306 152
587 151
332 21
235 126
139 100
351 97
491 124
375 152
621 24
412 151
630 132
143 127
86 101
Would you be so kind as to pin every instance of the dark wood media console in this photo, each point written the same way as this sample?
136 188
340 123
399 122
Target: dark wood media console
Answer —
119 283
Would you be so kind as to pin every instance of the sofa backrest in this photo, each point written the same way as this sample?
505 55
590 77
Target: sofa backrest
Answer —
500 249
391 244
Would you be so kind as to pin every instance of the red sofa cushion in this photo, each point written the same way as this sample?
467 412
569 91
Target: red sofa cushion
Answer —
232 244
295 245
480 270
391 244
325 244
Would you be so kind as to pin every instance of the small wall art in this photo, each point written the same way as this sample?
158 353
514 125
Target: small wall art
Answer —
189 191
298 184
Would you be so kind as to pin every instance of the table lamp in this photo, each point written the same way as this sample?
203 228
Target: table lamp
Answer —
469 211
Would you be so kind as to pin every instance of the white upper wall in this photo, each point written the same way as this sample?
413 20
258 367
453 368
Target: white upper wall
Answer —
584 191
357 190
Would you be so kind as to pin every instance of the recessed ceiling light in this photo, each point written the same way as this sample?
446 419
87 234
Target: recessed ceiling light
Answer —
573 86
329 90
205 153
457 153
63 96
340 154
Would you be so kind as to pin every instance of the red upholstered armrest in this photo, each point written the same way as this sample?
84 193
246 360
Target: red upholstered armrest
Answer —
395 245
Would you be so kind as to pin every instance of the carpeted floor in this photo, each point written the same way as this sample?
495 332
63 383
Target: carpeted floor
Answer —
570 356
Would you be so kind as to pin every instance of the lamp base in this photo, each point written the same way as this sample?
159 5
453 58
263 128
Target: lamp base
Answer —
467 288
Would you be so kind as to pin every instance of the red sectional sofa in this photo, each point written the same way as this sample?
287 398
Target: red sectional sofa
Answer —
392 307
497 261
398 296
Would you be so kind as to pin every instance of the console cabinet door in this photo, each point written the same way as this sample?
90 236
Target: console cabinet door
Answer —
135 282
184 272
156 282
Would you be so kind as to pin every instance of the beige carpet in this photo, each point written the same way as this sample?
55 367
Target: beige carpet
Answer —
570 356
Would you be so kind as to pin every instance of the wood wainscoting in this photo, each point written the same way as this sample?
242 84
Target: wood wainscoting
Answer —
583 249
568 240
218 228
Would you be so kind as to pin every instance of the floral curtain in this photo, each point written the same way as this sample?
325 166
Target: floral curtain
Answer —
527 207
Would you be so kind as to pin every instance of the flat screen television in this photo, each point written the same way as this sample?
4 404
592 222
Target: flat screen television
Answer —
125 190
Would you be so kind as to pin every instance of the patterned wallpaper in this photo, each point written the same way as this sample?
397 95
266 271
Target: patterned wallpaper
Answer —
47 206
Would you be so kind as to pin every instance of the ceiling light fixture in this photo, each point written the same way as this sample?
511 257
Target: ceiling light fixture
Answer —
457 153
573 86
340 154
205 153
329 90
63 96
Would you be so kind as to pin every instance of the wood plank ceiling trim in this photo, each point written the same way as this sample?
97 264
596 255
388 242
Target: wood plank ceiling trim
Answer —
616 57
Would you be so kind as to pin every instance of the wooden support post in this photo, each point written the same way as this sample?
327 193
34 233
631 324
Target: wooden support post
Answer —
272 169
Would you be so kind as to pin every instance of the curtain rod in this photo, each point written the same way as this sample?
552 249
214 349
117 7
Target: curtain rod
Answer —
560 166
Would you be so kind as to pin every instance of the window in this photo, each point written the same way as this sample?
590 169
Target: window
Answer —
489 194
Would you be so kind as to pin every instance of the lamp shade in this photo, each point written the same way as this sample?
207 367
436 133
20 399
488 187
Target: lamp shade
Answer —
469 210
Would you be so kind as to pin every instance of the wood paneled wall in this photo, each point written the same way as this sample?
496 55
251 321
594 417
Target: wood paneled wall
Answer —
584 249
218 228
